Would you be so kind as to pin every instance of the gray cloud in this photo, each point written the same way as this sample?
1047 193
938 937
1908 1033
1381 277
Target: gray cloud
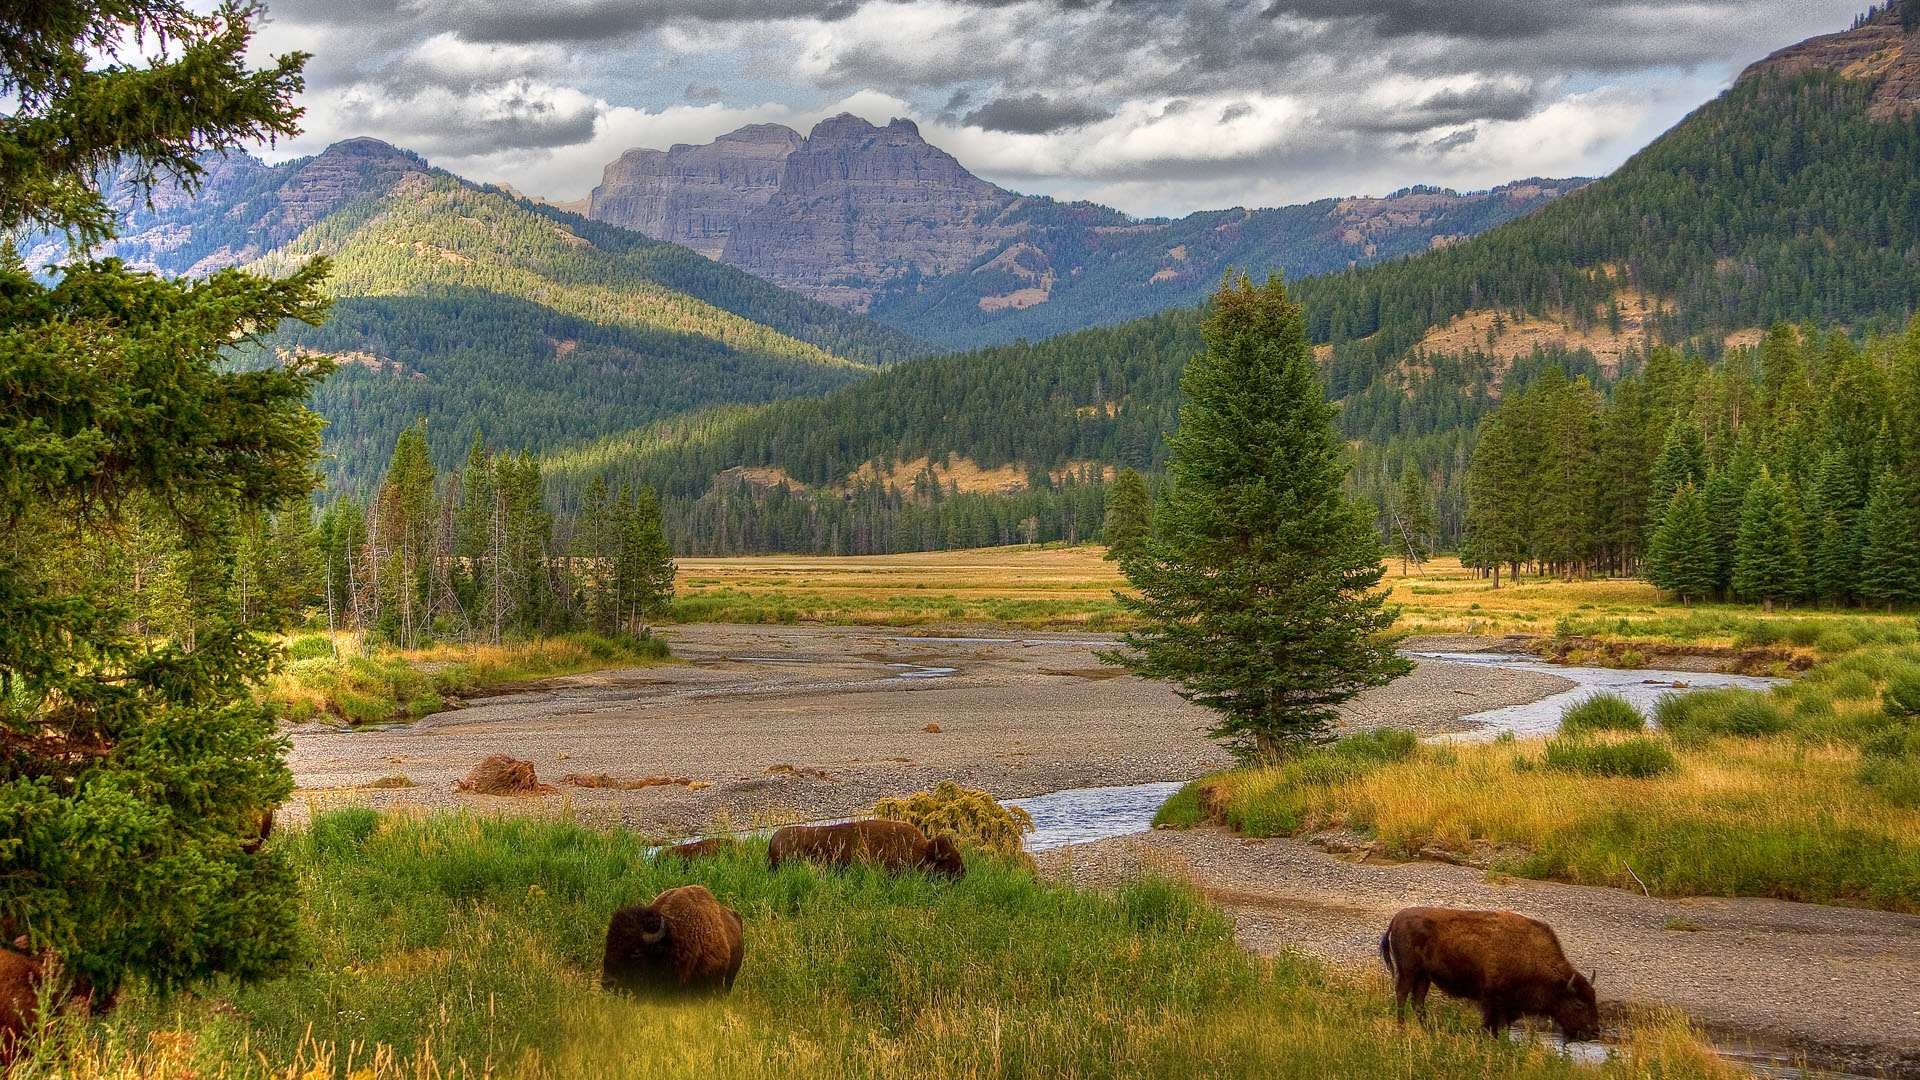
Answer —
1034 114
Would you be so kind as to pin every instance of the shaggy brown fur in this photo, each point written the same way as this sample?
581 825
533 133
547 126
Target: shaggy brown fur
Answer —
712 847
894 846
19 999
502 775
1511 965
683 942
261 831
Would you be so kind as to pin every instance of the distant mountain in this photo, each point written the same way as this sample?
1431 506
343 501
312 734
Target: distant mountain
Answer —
486 312
1794 196
878 220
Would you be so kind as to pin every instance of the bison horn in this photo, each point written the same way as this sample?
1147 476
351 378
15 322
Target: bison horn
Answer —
1593 977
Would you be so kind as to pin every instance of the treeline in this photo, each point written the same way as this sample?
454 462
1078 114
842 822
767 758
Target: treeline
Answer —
478 555
1786 472
872 518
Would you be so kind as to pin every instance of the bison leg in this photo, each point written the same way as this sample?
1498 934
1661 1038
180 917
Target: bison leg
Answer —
1495 1019
1407 985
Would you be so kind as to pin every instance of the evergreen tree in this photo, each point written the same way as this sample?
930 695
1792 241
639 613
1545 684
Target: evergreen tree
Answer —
1129 513
1681 558
134 772
643 564
1682 460
1410 523
1833 562
1768 563
1257 591
1890 541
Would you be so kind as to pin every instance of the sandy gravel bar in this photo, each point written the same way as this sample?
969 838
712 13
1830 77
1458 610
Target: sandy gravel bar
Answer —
1840 986
792 722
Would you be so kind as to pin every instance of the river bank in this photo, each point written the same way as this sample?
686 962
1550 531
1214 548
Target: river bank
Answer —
1837 985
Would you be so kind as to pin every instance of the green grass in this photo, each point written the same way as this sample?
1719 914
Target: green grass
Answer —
390 684
1635 758
1602 712
451 946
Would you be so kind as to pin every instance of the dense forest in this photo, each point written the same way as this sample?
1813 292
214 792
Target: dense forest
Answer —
1787 472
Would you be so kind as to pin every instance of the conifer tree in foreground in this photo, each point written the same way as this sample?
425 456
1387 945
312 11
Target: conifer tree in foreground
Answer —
134 770
1129 513
1258 590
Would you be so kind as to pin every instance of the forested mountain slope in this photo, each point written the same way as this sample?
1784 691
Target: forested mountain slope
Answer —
489 312
1795 196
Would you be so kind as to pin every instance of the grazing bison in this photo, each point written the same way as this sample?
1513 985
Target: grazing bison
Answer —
713 847
683 942
894 846
1511 965
19 999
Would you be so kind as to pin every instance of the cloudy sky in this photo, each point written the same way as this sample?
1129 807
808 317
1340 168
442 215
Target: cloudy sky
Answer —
1153 106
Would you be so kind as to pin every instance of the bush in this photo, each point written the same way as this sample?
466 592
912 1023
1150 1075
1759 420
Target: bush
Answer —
971 817
1698 717
1602 712
1897 779
309 647
1636 758
1902 698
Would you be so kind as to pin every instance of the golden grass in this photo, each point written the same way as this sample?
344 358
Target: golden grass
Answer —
1070 588
1774 817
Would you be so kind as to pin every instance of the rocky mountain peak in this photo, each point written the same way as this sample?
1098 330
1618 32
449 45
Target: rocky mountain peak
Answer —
1880 50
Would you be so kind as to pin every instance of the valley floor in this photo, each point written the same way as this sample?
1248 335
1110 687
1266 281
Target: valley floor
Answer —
781 723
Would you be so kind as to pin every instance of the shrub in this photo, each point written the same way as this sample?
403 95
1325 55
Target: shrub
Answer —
971 817
1636 758
1902 698
1380 746
1602 712
1698 717
1897 779
309 647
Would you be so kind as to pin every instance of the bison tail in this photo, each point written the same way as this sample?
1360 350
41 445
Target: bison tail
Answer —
1386 954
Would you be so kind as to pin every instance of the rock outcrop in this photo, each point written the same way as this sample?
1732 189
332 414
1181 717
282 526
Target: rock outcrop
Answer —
695 195
860 205
1880 50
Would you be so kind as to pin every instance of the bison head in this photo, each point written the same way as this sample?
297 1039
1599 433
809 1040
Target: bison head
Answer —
943 857
1576 1010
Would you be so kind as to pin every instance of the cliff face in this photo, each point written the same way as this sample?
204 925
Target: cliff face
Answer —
1881 51
860 205
695 195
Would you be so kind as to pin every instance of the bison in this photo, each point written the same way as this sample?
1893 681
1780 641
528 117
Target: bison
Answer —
683 942
1511 965
23 978
894 846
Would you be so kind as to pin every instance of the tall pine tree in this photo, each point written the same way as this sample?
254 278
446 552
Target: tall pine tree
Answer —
1258 592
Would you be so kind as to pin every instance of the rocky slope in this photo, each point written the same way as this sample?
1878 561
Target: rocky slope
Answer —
1877 51
878 220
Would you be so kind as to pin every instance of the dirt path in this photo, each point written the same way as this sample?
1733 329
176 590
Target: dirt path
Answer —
1839 985
794 722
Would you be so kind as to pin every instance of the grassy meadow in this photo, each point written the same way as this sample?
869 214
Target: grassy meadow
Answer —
452 946
1071 588
336 675
1810 792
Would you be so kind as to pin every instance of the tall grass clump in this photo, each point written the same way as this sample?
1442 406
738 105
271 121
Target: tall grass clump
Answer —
1695 718
1635 758
969 816
1274 800
455 947
1602 712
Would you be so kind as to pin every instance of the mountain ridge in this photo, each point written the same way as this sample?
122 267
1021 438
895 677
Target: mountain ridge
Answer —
875 219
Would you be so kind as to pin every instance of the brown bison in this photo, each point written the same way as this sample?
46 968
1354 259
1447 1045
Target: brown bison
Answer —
713 847
22 979
1511 965
683 942
894 846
